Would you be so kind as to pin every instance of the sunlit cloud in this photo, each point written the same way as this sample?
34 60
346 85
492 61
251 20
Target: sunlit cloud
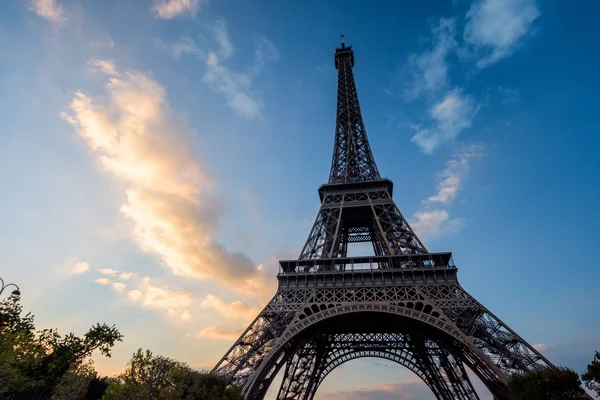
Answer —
219 334
116 286
175 303
108 271
125 276
171 201
105 66
50 10
168 9
236 309
496 27
540 347
80 268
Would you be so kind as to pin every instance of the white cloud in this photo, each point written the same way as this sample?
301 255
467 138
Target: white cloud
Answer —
434 223
450 116
108 271
174 303
168 9
451 177
50 10
116 286
80 268
125 276
234 310
170 197
219 334
429 70
495 27
540 347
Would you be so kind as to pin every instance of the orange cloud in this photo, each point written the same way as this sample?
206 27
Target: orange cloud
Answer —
50 10
175 303
171 202
219 334
234 310
80 268
116 286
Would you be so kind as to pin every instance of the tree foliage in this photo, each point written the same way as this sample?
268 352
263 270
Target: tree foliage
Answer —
591 376
34 362
546 384
149 376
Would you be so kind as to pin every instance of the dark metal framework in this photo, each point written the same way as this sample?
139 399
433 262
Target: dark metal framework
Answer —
403 304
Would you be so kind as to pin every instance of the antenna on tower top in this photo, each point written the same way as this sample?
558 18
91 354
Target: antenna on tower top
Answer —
342 37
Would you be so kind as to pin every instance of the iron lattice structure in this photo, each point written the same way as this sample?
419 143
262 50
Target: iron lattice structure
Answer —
403 304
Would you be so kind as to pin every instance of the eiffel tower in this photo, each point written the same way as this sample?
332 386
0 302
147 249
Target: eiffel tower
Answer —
402 304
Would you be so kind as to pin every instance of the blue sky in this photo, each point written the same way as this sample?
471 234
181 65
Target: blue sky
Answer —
159 157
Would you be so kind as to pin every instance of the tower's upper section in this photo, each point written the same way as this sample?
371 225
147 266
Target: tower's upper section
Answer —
352 158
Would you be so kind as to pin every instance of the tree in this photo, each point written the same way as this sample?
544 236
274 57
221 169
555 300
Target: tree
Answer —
546 384
591 377
160 378
33 363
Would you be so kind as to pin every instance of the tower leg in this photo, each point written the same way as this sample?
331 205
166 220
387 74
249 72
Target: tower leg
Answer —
300 371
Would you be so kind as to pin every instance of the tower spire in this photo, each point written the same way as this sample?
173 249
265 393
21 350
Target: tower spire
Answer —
352 157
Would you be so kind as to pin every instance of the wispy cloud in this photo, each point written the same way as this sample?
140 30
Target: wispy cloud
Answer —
168 9
428 71
451 177
435 222
182 46
493 30
509 95
80 268
50 10
495 27
106 44
220 334
171 201
116 286
449 116
104 66
235 86
174 303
